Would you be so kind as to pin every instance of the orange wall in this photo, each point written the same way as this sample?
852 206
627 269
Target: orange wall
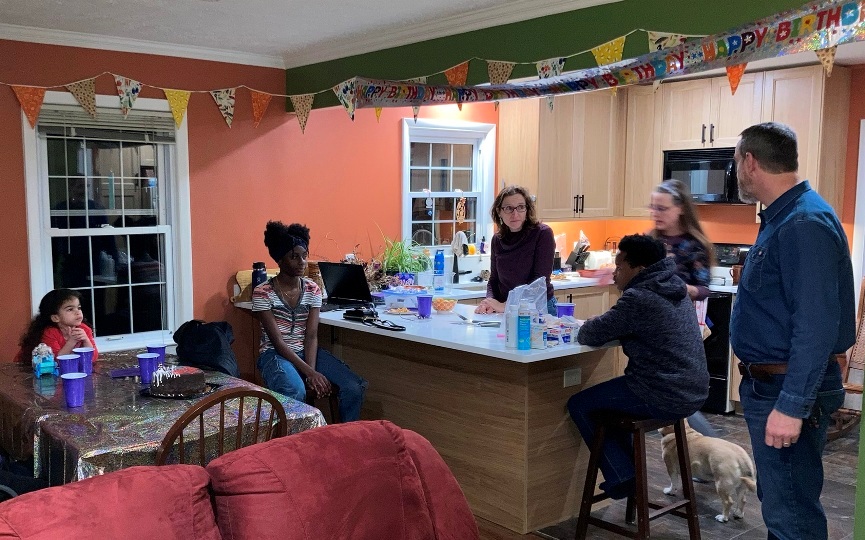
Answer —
341 178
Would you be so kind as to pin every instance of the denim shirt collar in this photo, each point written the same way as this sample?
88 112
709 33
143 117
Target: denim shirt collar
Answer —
785 199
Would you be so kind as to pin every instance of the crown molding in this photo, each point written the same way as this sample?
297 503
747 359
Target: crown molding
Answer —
92 41
514 11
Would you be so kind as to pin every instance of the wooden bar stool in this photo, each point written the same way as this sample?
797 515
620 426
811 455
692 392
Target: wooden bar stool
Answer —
638 427
332 400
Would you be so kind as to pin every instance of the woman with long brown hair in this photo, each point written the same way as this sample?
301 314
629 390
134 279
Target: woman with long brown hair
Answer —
522 249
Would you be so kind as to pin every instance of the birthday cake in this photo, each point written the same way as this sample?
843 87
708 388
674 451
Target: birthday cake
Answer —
177 381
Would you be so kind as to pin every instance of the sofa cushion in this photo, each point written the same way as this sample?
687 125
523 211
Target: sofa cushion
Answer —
146 503
451 516
355 480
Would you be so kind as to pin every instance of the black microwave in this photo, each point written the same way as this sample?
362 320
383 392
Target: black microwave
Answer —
710 173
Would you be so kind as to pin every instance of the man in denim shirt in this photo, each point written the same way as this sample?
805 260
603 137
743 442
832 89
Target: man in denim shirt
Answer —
793 312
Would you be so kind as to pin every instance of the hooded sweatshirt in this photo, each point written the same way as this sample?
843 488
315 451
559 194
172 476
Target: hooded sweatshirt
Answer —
656 324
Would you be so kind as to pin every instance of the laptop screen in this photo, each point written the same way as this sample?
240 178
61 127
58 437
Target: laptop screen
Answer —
345 283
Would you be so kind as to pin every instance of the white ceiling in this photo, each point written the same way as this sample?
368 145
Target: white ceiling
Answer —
273 33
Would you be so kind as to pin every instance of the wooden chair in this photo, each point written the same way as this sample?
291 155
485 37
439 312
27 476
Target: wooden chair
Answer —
275 424
844 419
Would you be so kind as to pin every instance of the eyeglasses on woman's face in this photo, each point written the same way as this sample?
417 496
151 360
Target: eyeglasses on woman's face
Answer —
520 208
658 208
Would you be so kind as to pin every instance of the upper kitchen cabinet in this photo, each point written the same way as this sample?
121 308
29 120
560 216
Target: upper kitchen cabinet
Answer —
580 153
518 143
642 149
704 113
816 107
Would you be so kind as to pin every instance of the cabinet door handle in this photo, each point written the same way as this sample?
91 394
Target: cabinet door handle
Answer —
703 135
575 203
570 298
582 203
711 133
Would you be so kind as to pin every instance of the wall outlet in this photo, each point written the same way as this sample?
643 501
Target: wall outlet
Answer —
573 377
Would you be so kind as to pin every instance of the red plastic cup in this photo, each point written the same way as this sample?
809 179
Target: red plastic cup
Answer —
86 363
73 388
69 363
147 363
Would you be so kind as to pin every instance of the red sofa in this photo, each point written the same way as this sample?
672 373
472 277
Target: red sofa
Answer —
360 480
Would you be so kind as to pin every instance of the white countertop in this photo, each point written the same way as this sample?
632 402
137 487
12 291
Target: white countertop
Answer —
439 331
724 288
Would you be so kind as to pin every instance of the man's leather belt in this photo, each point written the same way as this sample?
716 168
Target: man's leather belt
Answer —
762 372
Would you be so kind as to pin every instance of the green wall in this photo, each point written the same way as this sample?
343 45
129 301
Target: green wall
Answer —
533 40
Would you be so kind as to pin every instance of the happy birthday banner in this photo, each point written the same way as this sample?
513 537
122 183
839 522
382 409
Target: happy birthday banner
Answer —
814 27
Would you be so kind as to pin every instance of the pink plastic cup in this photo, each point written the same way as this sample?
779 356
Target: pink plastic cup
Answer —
73 388
69 363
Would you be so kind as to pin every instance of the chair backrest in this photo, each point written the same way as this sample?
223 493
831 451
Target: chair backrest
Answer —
232 422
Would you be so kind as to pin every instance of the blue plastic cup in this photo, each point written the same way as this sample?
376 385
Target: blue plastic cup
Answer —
69 363
147 363
158 349
424 306
86 359
73 388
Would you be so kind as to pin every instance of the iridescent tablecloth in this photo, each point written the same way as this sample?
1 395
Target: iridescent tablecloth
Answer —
117 427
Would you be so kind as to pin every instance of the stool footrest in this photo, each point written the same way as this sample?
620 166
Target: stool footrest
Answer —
661 509
612 527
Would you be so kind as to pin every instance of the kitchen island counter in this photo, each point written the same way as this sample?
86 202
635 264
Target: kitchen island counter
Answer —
497 416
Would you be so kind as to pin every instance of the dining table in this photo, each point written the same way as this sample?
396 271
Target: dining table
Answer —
120 425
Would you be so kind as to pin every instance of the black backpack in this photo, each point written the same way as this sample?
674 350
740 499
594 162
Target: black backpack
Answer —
206 345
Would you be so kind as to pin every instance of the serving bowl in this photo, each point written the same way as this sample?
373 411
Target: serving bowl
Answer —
443 304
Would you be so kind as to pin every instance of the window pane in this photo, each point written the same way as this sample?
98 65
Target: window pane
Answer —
419 155
440 180
471 208
139 159
444 233
79 210
419 211
105 156
462 180
70 258
57 152
419 180
422 234
444 209
147 256
110 197
147 304
140 202
441 155
463 155
111 311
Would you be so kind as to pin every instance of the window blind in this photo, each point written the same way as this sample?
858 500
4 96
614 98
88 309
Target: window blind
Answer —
109 124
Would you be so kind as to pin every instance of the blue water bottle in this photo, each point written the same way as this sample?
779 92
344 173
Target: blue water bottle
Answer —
524 327
259 274
439 271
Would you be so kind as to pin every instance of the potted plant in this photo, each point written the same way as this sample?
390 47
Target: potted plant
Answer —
404 259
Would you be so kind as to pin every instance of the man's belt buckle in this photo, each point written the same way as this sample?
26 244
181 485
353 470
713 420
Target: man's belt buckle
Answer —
761 372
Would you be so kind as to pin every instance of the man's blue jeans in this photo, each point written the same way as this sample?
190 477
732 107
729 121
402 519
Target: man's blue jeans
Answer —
281 376
617 463
789 480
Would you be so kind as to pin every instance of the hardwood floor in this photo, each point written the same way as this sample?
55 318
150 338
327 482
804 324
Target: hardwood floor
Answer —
839 491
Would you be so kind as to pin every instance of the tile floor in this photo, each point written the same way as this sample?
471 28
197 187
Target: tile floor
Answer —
839 491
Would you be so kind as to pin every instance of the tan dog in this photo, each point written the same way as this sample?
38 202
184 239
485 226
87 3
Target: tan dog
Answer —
728 464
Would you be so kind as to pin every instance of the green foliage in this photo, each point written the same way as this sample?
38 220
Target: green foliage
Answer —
404 256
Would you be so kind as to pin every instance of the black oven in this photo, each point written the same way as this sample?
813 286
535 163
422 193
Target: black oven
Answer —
709 173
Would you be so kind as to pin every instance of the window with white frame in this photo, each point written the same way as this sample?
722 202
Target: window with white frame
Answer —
110 216
448 180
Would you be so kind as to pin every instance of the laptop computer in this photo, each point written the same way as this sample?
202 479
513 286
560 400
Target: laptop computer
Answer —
345 284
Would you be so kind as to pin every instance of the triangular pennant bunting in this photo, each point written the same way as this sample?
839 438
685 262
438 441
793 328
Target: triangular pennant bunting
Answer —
658 41
827 58
378 114
225 101
345 93
30 98
178 101
85 94
302 104
609 52
499 72
128 90
416 109
260 101
734 75
457 75
550 68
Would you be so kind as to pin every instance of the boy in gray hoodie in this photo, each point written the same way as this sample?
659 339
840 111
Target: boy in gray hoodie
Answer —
666 377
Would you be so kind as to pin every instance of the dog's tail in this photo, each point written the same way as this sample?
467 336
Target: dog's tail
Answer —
749 483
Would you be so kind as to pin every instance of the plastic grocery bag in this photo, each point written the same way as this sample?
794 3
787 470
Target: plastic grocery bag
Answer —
535 293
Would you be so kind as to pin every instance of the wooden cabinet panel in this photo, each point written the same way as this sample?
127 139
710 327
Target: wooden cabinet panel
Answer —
642 149
600 167
518 143
732 113
559 156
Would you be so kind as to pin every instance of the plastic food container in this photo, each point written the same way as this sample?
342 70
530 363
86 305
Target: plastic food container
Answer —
397 297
